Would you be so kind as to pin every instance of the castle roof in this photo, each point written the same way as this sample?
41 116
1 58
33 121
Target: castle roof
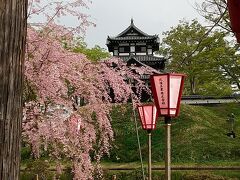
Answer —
132 33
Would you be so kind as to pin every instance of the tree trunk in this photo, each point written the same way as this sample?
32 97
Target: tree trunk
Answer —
192 86
13 25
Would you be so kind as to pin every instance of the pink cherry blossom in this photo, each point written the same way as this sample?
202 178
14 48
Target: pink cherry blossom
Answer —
53 119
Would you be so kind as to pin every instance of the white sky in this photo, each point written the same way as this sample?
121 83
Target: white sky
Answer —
151 16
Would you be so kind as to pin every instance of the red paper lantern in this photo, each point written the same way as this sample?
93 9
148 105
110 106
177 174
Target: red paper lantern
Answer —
234 14
148 116
167 92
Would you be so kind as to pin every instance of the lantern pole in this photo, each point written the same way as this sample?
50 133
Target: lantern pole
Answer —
149 154
168 148
167 91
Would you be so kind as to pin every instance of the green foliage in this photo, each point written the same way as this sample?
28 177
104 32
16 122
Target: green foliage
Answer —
156 175
40 168
198 135
208 60
25 153
119 175
28 175
67 174
94 54
71 89
123 126
205 176
215 88
176 175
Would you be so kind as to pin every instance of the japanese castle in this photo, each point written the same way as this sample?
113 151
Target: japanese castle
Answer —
135 46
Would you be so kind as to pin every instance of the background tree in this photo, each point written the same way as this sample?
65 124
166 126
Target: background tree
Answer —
94 54
189 50
216 12
13 23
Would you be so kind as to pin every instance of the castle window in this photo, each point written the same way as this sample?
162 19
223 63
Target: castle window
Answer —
143 49
124 49
149 51
132 48
121 49
115 53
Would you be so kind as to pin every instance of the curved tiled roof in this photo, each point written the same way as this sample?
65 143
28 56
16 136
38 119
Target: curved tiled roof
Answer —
132 33
142 58
133 38
134 27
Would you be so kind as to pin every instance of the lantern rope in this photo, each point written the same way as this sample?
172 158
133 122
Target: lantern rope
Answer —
135 121
139 145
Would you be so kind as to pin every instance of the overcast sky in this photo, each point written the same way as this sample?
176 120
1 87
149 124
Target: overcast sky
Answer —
151 16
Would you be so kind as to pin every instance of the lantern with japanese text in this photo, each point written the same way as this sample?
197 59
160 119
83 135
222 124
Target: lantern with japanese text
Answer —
167 92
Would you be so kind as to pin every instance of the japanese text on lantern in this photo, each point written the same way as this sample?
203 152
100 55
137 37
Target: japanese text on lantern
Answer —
162 92
141 112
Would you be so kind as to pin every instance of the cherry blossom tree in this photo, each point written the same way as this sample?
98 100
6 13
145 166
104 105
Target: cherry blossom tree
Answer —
56 78
52 117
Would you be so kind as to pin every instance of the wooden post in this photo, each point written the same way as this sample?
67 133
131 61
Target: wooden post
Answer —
149 156
168 149
114 177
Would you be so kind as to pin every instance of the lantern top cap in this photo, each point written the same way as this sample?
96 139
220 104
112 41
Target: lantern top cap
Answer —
174 74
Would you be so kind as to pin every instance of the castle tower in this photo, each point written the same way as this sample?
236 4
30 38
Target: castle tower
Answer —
135 46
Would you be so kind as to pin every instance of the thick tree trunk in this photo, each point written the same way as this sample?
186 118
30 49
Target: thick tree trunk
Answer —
13 23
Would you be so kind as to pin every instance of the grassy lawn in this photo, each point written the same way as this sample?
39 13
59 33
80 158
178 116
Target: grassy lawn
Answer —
198 140
198 136
136 165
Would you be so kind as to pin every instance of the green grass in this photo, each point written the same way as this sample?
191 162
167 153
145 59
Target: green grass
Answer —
136 165
198 139
198 135
175 175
